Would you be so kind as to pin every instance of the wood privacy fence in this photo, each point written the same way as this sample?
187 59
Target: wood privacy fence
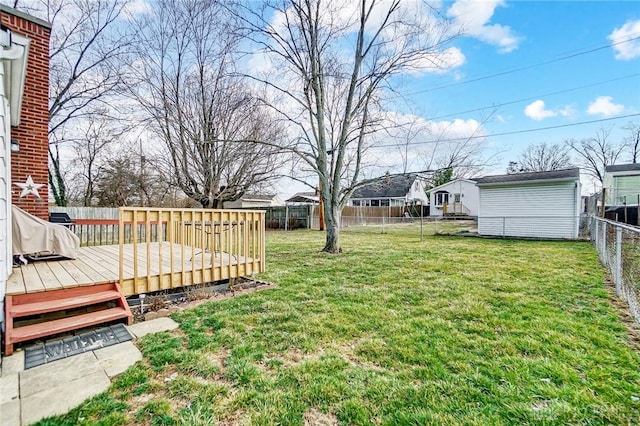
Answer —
99 225
166 248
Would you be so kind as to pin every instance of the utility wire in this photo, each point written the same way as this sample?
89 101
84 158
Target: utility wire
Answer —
535 97
526 67
514 132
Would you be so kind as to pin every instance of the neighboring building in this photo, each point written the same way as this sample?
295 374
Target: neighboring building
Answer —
304 198
622 184
254 201
24 119
459 197
396 190
536 205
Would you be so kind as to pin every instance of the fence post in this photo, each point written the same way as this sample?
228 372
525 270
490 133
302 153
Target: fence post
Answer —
596 238
504 226
435 226
286 218
618 274
421 225
383 224
604 244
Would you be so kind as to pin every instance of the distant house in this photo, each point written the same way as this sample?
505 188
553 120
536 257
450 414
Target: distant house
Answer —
536 205
303 198
397 190
622 184
459 197
254 201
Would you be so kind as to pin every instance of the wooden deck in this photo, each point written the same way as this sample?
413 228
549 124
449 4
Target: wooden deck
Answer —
100 264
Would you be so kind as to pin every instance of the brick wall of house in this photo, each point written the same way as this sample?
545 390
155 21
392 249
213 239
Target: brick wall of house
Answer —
32 133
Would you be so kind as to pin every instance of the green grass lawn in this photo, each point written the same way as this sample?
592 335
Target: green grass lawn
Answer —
394 331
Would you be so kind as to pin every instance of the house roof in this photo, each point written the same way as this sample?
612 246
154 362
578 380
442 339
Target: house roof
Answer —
450 182
396 186
554 175
25 16
258 197
622 168
304 197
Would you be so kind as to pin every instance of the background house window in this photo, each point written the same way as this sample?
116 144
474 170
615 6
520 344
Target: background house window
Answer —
441 198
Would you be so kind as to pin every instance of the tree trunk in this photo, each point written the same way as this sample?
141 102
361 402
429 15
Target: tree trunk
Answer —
332 227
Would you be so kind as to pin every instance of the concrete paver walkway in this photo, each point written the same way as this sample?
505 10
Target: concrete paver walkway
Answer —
27 396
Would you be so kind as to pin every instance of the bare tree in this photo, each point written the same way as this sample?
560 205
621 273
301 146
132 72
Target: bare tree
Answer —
206 116
332 62
541 157
89 43
91 153
596 153
632 141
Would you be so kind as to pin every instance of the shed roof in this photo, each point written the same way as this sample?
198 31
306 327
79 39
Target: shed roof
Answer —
391 186
304 197
554 175
622 167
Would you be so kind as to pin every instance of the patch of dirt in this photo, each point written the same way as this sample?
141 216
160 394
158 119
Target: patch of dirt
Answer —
166 302
315 417
632 328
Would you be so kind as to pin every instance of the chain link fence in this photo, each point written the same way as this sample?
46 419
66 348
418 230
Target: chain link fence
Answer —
409 226
618 246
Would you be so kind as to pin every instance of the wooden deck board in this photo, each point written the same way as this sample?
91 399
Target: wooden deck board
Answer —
48 278
99 264
15 282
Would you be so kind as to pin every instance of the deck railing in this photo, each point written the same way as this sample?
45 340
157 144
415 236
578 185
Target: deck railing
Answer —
167 248
455 209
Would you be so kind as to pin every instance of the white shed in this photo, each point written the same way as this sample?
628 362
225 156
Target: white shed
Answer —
534 205
458 197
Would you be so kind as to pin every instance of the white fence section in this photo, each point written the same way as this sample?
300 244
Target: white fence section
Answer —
618 246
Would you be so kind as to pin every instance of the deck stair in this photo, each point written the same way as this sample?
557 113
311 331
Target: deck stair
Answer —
59 311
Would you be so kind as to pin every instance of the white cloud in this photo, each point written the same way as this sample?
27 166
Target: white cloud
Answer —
135 8
438 63
567 111
536 111
626 50
472 17
603 105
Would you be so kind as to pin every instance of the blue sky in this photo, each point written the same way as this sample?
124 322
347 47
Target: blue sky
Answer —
521 34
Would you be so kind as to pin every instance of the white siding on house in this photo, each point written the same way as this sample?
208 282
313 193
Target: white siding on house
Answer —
466 188
542 210
417 192
5 194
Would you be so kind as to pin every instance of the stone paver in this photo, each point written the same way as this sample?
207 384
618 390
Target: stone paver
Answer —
10 413
154 326
62 398
56 373
28 396
9 388
116 359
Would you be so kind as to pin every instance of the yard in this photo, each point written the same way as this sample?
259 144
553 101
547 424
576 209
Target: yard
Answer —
394 331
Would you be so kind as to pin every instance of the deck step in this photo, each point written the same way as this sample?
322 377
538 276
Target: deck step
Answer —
54 305
36 331
68 308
